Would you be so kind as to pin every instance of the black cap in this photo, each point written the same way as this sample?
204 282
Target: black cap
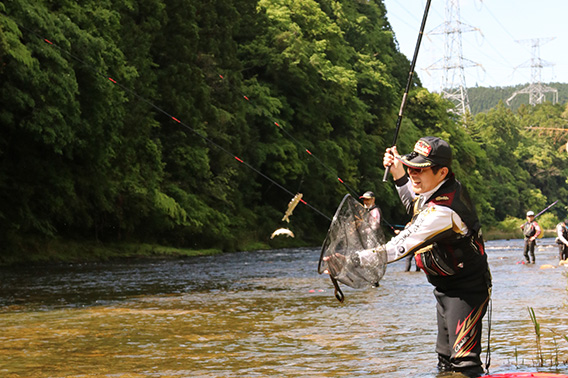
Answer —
368 194
429 151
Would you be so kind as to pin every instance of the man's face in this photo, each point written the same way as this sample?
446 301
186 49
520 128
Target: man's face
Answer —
368 202
423 180
530 218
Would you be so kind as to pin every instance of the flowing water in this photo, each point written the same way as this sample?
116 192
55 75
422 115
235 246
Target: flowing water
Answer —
262 314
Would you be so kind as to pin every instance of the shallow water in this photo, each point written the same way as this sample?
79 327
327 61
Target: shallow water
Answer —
259 314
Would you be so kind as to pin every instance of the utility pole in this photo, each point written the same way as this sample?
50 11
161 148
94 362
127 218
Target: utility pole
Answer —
536 90
453 63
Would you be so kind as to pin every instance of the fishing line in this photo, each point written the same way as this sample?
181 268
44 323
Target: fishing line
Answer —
177 120
310 153
300 184
488 352
306 150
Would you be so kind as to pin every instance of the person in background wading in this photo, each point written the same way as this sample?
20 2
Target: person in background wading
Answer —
369 203
531 231
444 235
562 239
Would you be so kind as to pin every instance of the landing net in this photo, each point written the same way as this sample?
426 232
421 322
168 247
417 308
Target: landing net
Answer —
353 233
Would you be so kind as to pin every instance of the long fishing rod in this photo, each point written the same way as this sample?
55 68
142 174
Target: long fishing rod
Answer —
409 82
177 120
548 207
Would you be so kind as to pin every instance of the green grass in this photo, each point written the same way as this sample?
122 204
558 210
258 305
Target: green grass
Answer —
556 359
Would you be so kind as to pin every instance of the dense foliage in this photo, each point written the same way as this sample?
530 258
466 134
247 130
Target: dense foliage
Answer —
153 157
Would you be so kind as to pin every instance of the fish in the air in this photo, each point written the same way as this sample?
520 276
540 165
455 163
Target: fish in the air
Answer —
291 206
282 231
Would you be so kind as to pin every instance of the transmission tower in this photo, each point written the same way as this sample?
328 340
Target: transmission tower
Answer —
536 90
453 63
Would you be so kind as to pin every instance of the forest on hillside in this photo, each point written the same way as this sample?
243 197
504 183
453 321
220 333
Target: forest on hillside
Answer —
482 99
193 123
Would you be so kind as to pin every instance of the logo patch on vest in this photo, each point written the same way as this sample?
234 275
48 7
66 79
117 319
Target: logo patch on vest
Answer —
422 148
445 199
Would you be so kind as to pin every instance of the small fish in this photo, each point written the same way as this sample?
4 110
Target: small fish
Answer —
547 266
291 206
282 231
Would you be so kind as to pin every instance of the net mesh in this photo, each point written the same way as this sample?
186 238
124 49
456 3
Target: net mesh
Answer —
353 236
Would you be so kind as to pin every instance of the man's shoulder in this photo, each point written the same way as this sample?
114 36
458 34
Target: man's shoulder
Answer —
449 189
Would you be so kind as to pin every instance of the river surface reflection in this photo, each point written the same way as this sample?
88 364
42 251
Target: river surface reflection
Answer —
262 314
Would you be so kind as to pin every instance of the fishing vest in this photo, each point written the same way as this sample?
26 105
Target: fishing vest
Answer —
370 210
456 262
529 229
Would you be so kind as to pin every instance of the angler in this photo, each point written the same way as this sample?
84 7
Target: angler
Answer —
445 237
531 231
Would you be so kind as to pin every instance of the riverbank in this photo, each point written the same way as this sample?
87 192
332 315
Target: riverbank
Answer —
67 251
498 234
55 251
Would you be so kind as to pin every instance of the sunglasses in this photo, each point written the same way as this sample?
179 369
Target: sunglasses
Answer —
418 170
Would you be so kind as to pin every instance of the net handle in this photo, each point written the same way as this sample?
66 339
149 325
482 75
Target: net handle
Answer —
338 293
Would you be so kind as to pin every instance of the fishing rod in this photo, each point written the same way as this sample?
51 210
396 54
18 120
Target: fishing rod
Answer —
548 207
177 120
409 82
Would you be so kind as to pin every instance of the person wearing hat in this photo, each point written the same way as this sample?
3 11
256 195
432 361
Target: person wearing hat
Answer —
531 231
444 235
562 239
369 203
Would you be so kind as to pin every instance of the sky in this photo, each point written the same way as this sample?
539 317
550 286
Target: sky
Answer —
498 39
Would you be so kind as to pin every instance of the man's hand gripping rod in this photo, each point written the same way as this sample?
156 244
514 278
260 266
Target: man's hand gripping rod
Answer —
409 82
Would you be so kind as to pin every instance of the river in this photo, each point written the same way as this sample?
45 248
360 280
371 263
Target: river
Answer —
262 314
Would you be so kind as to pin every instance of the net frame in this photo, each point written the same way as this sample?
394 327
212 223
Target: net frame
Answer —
353 235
